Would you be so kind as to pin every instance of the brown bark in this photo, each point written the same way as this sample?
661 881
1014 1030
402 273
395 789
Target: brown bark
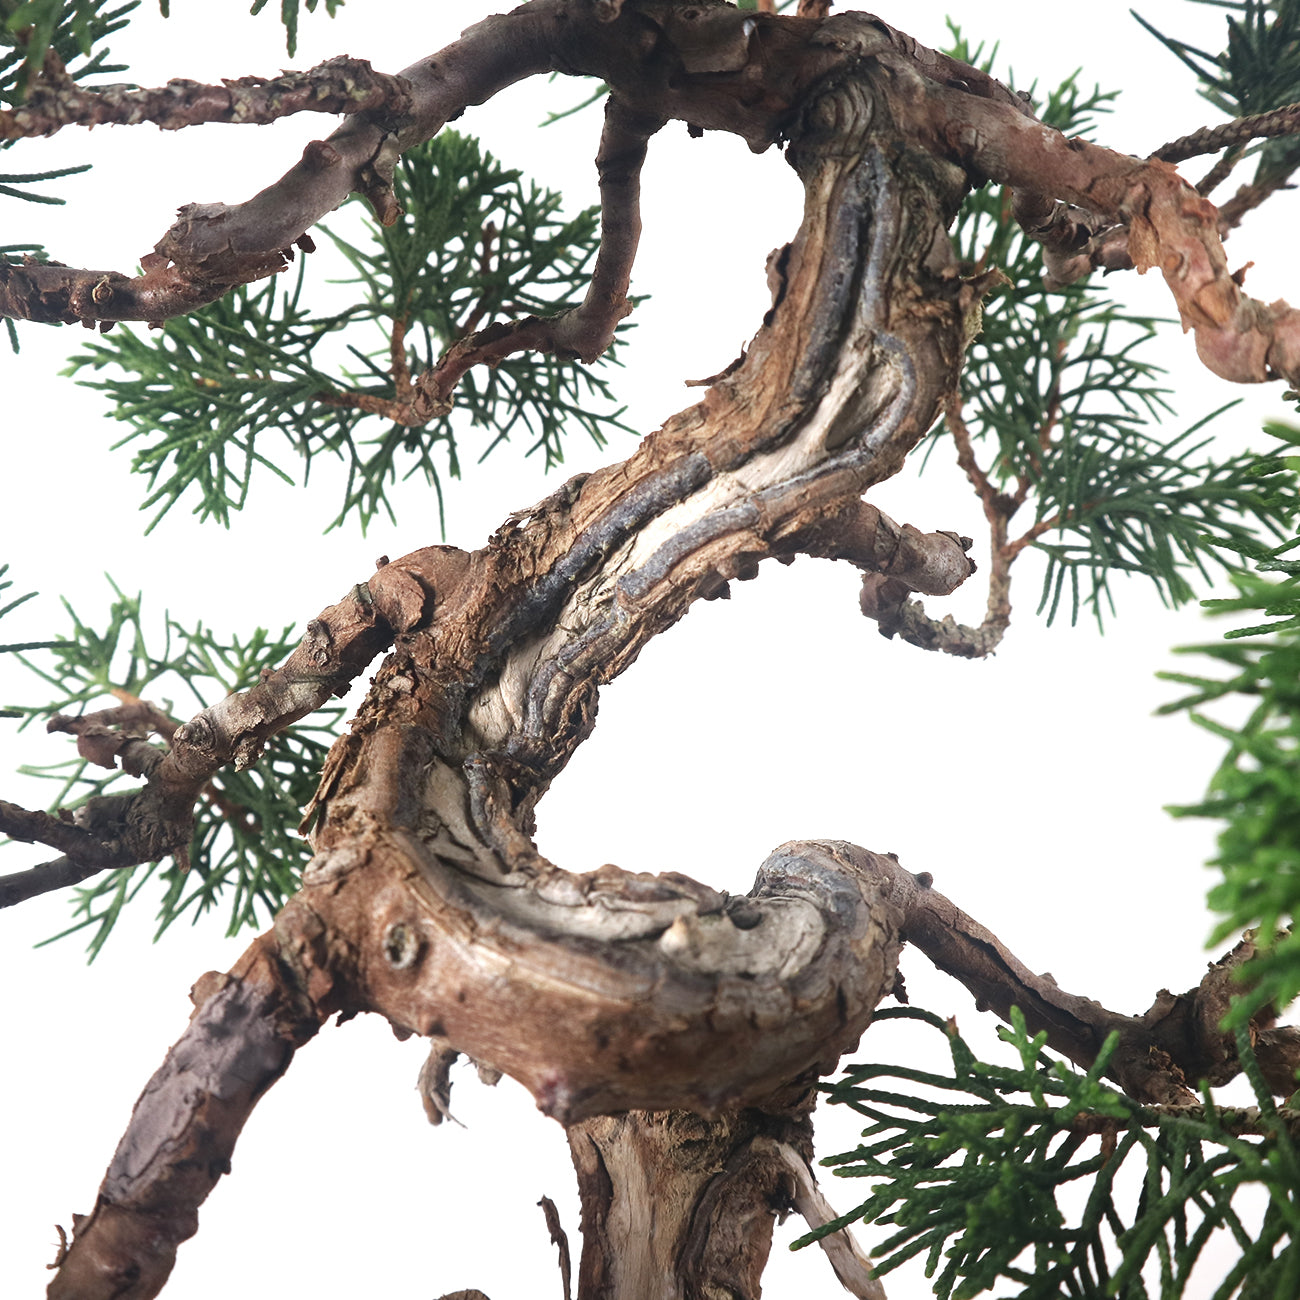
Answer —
652 1015
243 1035
341 85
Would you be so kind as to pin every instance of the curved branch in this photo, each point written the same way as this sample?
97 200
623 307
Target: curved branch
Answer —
1177 1043
612 992
584 332
1167 224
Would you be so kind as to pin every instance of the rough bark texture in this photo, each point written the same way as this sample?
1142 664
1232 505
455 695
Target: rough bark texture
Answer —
673 1029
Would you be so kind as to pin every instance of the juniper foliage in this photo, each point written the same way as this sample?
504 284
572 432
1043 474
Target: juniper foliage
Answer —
1068 415
245 853
969 1169
211 398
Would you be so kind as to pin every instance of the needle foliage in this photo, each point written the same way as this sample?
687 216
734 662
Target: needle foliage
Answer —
1029 1173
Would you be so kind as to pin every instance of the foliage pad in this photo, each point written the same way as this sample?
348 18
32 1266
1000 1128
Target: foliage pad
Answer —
219 393
971 1172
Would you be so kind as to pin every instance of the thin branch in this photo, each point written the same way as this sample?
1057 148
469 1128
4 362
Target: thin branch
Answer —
1251 196
1177 1042
587 330
1219 173
120 830
339 85
1241 130
214 247
889 600
560 1240
852 1268
61 873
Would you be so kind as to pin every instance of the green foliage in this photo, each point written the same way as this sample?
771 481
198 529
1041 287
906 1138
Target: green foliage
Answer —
476 244
1258 70
1063 411
244 851
71 28
5 584
971 1173
1256 788
9 181
289 13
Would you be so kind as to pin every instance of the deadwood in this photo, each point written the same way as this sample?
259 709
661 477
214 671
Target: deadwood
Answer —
638 1009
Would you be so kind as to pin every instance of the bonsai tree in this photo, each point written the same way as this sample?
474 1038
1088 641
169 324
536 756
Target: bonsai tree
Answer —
937 293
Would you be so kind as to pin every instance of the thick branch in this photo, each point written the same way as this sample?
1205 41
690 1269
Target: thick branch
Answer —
340 85
243 1035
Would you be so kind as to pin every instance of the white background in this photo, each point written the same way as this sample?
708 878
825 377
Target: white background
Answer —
1031 785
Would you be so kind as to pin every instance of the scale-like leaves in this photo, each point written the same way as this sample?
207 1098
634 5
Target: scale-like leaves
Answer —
1063 409
213 397
969 1169
245 853
1256 789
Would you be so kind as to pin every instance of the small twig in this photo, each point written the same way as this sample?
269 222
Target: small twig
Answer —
1218 173
480 308
852 1268
1241 130
560 1240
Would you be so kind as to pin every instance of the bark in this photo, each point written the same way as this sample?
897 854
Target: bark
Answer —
341 85
674 1030
243 1035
